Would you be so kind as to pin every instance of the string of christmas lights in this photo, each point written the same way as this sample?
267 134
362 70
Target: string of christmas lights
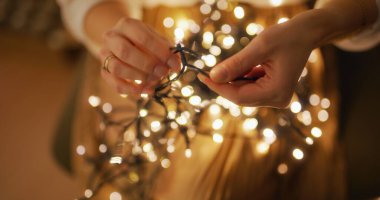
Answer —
175 110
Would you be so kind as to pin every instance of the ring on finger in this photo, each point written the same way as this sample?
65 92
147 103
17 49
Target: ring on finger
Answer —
106 63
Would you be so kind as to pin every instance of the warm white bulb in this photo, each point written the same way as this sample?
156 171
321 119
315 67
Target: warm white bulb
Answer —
239 12
188 153
217 124
218 138
296 107
298 154
250 124
316 132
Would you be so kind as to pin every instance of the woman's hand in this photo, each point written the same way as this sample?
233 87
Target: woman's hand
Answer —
141 57
276 57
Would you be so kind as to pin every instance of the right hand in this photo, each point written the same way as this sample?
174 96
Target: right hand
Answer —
140 54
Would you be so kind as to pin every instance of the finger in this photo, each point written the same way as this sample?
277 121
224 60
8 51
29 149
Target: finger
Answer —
148 40
122 86
126 72
238 65
128 53
248 94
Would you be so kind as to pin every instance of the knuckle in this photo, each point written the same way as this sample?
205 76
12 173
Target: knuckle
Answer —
124 52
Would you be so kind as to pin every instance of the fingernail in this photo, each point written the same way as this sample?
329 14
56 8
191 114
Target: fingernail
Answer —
219 74
160 71
173 62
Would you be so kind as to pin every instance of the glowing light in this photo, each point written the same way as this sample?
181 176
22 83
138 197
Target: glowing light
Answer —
187 91
209 60
217 124
172 76
228 42
282 168
170 148
182 120
199 63
94 101
282 20
215 50
136 149
152 157
165 163
188 153
316 132
179 34
88 193
309 141
216 15
208 37
172 114
194 27
306 118
235 111
138 82
276 2
183 24
146 133
168 22
295 107
205 9
253 29
314 99
222 4
218 138
269 136
115 196
248 111
313 58
129 136
143 113
147 147
298 154
325 103
124 95
210 2
195 100
250 124
102 148
155 126
81 150
262 147
215 109
304 72
144 95
226 29
107 108
323 115
239 12
116 160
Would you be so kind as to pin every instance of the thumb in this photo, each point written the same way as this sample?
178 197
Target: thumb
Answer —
237 65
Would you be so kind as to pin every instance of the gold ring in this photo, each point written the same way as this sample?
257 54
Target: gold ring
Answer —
106 62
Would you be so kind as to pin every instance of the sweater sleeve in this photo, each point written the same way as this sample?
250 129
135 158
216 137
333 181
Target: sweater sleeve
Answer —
364 40
74 12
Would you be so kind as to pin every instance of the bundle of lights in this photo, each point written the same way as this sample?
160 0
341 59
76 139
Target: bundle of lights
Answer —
182 109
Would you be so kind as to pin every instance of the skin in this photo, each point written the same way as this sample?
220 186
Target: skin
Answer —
139 52
277 56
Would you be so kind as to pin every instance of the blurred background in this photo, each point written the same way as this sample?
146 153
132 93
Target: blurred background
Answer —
38 64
